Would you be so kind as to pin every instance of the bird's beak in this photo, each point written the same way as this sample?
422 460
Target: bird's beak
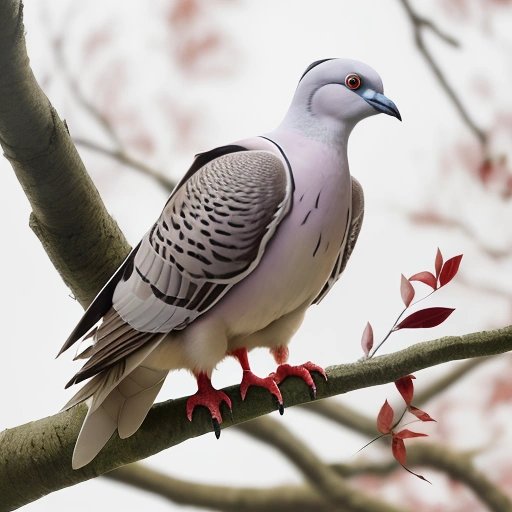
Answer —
381 103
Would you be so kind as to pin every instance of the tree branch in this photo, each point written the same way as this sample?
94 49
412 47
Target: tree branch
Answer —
119 153
69 217
318 474
37 455
290 498
458 466
343 415
447 380
286 498
124 158
419 24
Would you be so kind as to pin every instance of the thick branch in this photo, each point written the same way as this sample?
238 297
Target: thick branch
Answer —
69 217
37 456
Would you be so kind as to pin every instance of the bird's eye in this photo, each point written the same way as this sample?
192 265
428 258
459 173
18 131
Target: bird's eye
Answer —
353 81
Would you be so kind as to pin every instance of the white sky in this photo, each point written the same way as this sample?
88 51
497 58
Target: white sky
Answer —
397 163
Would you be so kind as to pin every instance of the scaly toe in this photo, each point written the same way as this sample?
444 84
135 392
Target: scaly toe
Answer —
302 371
268 383
212 400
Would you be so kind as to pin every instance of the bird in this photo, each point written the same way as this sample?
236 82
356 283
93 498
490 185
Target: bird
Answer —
255 233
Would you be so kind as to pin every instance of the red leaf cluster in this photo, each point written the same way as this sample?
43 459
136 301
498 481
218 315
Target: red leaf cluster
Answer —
386 424
445 272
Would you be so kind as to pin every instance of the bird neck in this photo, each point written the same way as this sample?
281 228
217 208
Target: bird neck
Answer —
327 130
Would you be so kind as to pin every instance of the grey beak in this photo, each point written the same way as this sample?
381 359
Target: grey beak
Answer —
381 103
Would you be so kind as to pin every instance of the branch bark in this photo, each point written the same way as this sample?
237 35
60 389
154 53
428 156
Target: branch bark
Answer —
37 456
68 215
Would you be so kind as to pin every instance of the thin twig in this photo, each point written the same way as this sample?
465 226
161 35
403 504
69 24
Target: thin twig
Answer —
122 157
419 24
119 153
74 86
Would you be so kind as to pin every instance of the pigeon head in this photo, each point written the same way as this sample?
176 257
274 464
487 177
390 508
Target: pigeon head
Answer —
338 93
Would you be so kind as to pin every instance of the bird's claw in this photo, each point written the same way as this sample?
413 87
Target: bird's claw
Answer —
216 427
212 399
303 371
268 383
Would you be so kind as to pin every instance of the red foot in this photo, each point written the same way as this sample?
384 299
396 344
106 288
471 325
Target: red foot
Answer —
302 371
249 379
208 397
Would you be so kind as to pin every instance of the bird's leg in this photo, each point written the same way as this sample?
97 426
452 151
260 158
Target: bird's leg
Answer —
208 397
303 371
249 379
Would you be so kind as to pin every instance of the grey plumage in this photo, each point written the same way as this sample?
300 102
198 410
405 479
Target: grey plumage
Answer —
254 233
354 224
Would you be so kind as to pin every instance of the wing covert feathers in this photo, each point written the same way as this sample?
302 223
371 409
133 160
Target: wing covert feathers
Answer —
100 305
210 235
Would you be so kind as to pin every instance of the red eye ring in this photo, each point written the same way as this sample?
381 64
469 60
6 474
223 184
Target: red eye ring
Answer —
353 81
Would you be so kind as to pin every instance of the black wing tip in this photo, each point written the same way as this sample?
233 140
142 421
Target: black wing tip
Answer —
66 345
70 383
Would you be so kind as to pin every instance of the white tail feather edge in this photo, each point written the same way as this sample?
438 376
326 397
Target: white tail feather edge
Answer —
119 398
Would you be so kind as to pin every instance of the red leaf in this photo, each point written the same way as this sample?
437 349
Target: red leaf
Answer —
367 339
421 415
408 434
439 262
406 388
450 268
385 418
406 290
425 277
424 318
398 449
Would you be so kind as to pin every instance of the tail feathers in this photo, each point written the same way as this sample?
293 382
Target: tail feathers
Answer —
124 409
118 398
139 390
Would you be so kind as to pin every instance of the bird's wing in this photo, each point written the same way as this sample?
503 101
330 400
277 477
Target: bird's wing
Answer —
351 233
211 234
103 301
